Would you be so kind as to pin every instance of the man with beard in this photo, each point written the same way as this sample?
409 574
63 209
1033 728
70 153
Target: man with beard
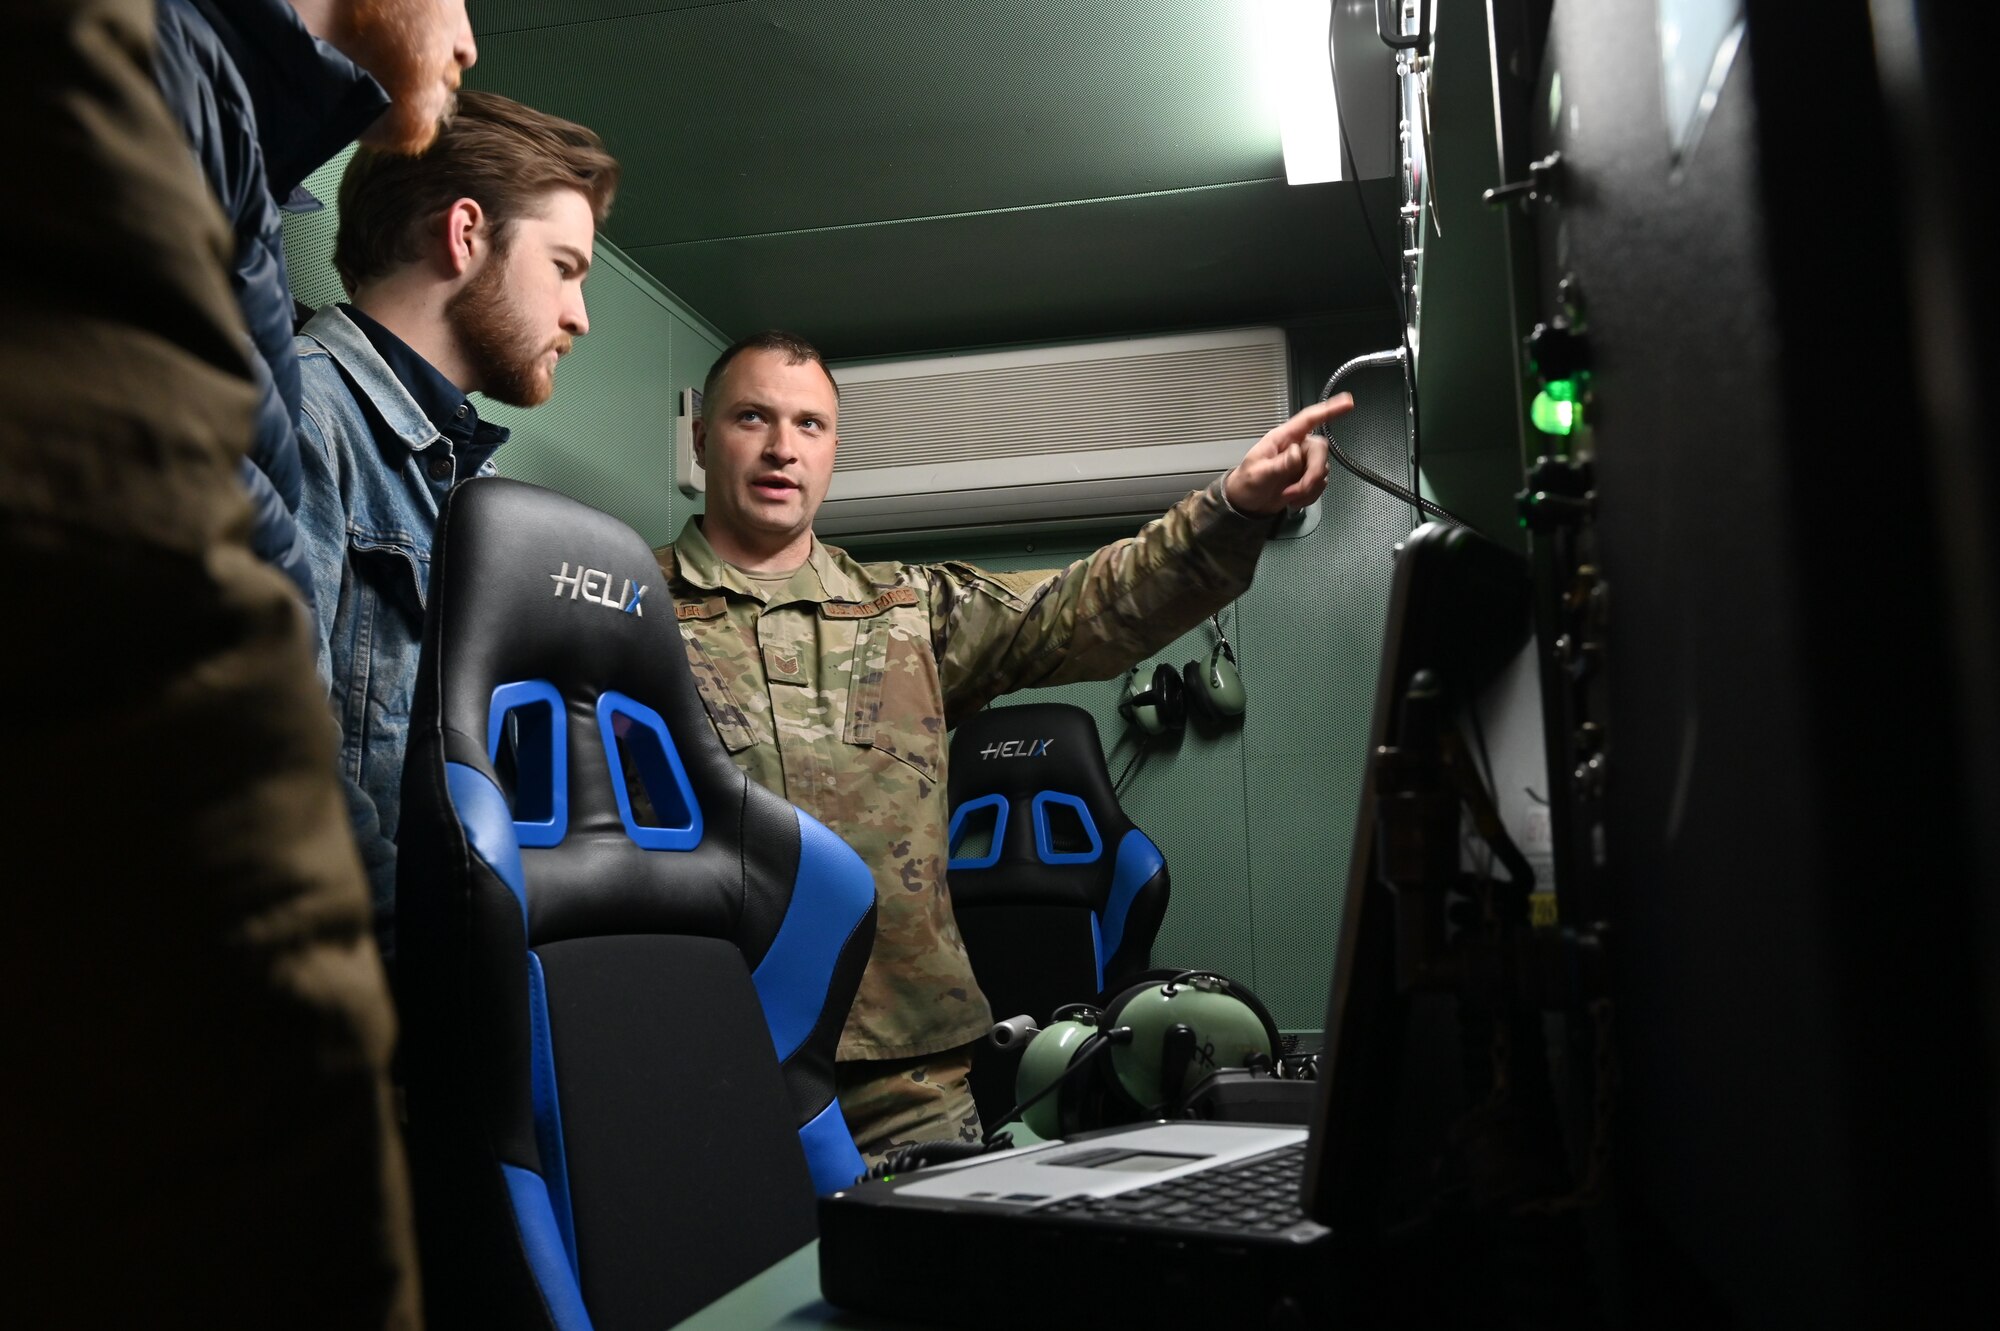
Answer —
465 269
265 93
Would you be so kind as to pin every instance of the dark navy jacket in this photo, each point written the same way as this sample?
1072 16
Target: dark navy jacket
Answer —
263 104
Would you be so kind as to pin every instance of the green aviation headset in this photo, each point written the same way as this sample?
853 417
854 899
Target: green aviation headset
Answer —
1214 690
1160 1038
1159 708
1217 690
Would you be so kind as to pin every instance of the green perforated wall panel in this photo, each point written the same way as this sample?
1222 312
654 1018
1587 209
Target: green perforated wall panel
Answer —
1256 819
606 436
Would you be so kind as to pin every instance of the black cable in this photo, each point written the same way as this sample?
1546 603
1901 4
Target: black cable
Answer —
917 1155
1382 482
1133 766
1093 1049
1372 360
1395 276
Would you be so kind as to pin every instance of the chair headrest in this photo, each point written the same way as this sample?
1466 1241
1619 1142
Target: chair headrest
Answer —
1023 750
531 588
534 585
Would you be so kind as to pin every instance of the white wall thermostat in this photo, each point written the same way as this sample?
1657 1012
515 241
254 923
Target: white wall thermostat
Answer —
687 472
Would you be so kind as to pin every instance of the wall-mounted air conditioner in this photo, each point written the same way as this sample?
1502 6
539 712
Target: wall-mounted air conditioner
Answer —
1068 434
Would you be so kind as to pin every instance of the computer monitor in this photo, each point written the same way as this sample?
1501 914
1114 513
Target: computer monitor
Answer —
1459 607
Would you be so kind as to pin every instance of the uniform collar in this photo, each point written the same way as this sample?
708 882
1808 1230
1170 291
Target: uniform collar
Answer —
831 578
311 100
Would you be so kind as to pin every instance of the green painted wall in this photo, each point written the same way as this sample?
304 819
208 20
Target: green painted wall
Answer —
1256 818
606 436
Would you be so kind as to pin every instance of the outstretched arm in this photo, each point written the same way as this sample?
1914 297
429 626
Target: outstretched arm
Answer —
1287 467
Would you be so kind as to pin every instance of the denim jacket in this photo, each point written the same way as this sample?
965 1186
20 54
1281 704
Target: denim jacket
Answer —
376 472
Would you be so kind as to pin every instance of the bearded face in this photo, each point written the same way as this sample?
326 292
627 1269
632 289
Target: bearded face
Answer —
512 359
416 49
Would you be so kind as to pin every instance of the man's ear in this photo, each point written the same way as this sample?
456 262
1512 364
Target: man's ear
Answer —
465 235
701 443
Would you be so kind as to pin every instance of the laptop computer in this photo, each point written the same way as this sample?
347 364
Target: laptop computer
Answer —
1257 1225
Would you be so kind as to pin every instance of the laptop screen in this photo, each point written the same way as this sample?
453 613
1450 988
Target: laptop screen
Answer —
1459 607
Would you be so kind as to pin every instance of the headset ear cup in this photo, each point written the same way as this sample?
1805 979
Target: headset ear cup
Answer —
1195 683
1159 708
1241 993
1050 1060
1214 688
1138 705
1256 1005
1130 1105
1172 695
1075 1095
1224 693
1140 1072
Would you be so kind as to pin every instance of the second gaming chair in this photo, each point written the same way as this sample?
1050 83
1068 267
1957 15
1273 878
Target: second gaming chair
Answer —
1057 894
624 967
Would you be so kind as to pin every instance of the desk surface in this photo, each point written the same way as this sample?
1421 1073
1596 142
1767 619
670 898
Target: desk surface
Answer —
784 1296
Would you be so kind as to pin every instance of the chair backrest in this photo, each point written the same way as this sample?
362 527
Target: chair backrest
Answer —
1057 894
623 966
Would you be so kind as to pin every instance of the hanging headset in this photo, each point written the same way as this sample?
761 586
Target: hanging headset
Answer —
1139 1056
1157 709
1215 691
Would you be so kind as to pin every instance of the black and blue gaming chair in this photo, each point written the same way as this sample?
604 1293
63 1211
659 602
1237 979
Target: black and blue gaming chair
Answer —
623 966
1057 894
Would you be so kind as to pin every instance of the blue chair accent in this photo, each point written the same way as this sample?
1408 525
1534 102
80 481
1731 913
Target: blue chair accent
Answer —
1139 863
660 771
1049 917
1045 848
623 966
543 1248
537 709
959 815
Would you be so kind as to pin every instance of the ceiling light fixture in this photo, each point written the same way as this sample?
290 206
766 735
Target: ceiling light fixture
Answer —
1308 117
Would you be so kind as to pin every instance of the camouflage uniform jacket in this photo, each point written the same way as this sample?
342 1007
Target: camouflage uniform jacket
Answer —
835 690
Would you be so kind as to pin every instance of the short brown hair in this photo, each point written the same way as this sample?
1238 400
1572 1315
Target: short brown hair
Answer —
795 349
501 154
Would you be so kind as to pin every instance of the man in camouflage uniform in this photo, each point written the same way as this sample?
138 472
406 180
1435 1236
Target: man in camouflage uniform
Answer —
833 682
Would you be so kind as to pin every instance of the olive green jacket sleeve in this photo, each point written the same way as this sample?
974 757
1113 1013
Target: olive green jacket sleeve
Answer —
994 633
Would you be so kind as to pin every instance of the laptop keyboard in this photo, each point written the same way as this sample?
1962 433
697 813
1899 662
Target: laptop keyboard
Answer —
1255 1196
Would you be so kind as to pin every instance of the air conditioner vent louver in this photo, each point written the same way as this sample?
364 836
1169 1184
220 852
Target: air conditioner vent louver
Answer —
1220 393
1052 434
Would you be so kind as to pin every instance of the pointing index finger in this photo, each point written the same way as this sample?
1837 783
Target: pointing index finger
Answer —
1319 413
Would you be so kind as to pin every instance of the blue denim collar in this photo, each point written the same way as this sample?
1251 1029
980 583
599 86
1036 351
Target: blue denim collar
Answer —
448 406
371 375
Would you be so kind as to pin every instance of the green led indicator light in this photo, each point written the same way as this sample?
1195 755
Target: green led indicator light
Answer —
1555 409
